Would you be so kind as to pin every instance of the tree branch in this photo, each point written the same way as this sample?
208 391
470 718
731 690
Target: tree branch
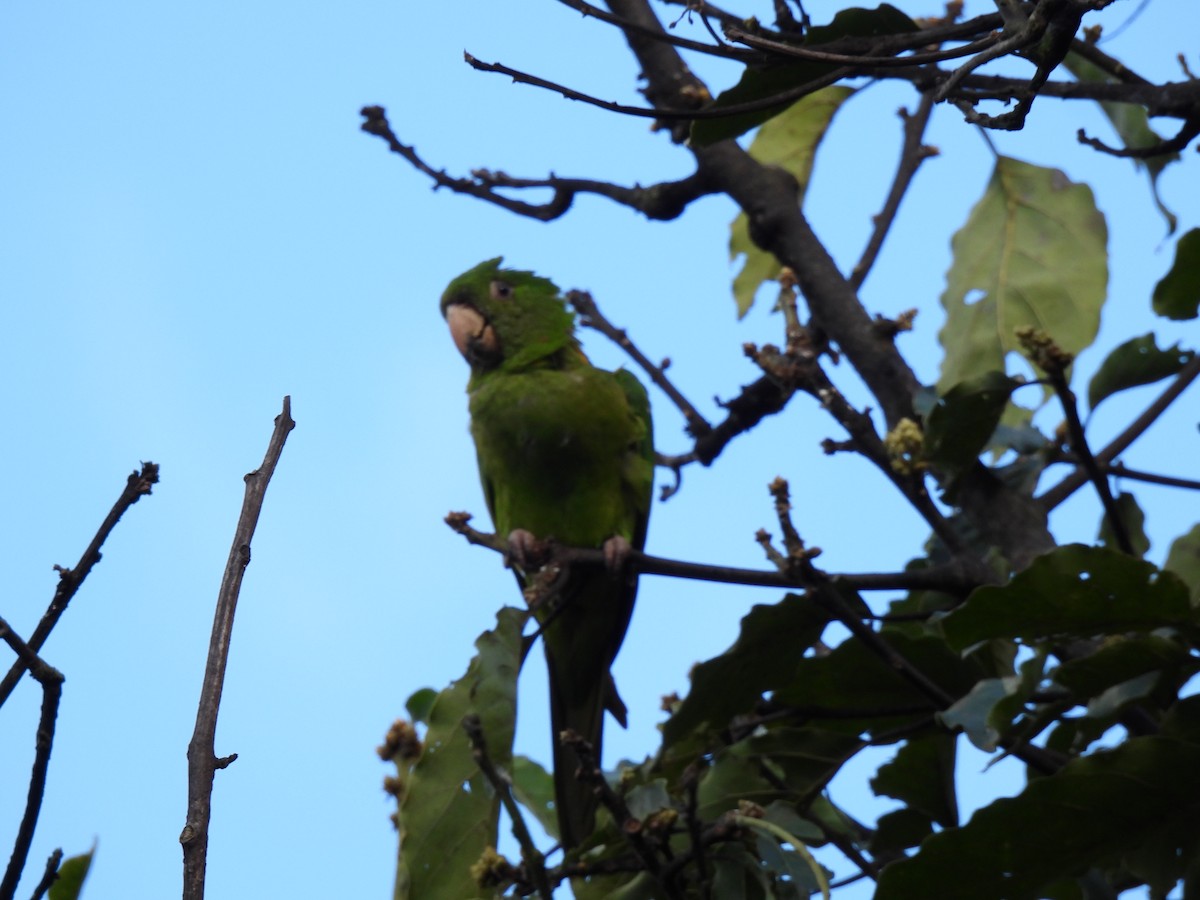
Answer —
534 861
912 154
953 578
591 317
138 485
51 681
1073 482
662 202
202 760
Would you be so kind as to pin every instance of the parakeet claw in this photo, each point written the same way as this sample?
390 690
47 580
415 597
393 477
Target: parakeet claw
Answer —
616 555
522 547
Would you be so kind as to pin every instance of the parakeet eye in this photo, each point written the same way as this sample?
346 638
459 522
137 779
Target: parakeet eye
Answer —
500 290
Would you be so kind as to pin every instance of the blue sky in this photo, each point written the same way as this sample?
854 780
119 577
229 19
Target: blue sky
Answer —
192 226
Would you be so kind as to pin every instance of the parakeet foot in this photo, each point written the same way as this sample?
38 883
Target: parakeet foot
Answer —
522 547
616 555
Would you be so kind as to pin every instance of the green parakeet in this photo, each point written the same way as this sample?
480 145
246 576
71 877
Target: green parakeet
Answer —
565 451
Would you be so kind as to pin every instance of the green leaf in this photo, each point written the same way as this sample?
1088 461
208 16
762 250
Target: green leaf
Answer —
1058 826
1136 362
1073 591
1134 520
964 418
1120 659
1033 252
975 712
420 703
68 885
852 677
762 658
533 787
449 812
921 775
1177 296
1132 125
790 142
899 830
760 83
1184 560
647 799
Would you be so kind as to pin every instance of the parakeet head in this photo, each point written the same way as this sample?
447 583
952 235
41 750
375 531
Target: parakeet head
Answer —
506 319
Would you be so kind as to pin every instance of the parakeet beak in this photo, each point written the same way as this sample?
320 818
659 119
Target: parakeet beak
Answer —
473 335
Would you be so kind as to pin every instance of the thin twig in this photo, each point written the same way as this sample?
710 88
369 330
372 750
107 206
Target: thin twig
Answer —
1167 147
1120 470
1077 479
628 26
662 113
797 51
49 875
1087 461
138 485
202 759
591 317
630 827
535 861
51 681
912 154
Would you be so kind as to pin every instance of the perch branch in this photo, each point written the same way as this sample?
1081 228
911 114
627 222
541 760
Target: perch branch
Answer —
202 760
952 578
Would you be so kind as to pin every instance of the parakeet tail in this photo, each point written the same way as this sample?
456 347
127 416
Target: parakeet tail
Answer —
575 798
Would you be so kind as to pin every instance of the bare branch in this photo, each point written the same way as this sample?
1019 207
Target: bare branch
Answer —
51 681
912 154
661 201
686 114
797 51
1073 482
202 760
591 317
138 485
49 875
630 27
1188 130
534 861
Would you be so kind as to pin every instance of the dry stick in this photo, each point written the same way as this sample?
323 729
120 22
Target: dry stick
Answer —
202 760
1077 479
137 486
49 876
629 826
51 681
535 862
591 317
1087 460
1120 470
912 154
